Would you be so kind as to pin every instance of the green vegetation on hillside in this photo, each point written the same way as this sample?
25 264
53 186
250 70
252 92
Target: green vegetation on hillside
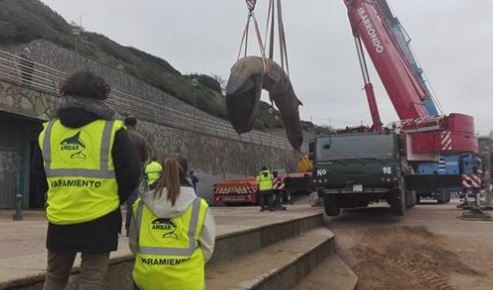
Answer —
22 21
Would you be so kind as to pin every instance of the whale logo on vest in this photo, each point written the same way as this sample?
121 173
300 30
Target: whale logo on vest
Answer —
74 144
165 225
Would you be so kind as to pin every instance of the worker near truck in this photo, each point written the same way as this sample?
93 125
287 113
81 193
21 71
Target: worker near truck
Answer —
152 173
265 181
278 191
193 179
88 165
172 234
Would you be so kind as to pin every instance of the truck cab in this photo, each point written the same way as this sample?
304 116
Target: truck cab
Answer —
356 169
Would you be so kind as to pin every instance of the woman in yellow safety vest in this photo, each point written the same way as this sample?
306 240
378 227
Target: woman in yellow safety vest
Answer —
88 166
172 233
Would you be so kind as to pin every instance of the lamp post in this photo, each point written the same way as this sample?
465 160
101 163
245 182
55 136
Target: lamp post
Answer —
76 36
18 208
76 32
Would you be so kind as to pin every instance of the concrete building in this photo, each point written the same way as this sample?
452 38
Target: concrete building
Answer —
18 137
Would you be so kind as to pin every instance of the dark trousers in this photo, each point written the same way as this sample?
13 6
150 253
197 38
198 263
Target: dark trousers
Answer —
92 271
130 202
277 198
266 197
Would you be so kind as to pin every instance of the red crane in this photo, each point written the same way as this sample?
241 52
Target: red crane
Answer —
428 135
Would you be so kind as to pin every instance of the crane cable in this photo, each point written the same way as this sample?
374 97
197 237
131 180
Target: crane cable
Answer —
282 38
251 4
270 29
244 40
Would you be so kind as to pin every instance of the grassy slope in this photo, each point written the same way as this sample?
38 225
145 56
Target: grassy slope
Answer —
22 21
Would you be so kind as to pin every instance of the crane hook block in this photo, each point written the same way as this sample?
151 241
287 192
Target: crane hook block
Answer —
251 4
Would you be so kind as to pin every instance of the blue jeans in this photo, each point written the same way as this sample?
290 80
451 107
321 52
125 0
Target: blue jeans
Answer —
130 201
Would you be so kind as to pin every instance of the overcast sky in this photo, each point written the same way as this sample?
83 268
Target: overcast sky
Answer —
453 40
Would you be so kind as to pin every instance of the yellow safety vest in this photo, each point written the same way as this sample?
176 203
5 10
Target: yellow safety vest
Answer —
79 168
168 256
153 172
265 182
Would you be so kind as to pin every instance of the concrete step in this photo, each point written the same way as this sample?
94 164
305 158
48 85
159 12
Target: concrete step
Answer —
240 231
268 228
331 274
278 266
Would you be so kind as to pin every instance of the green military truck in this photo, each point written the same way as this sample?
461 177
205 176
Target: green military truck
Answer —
355 169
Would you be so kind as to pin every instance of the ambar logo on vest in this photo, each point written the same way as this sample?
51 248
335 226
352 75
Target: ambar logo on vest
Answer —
74 146
164 226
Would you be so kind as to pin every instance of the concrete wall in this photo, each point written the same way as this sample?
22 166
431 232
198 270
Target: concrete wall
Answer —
25 102
16 137
212 158
64 60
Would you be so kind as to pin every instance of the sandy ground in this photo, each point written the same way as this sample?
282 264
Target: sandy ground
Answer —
428 248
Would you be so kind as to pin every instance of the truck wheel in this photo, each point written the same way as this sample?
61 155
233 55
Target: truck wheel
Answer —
398 202
411 199
444 198
331 205
447 197
440 198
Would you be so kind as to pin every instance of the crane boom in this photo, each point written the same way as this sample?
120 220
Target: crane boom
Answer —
404 91
373 22
404 40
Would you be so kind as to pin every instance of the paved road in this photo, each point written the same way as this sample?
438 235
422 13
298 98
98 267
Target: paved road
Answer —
428 248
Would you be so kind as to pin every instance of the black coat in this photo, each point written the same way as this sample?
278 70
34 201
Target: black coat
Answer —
100 235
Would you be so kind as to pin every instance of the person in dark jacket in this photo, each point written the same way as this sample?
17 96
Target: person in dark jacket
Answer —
141 145
193 179
26 65
82 110
137 138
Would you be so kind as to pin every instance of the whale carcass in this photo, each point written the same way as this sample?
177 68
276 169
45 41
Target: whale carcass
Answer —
248 77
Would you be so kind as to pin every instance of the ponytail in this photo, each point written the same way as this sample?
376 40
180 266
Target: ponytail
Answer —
174 170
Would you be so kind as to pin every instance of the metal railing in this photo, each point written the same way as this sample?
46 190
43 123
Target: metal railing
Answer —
24 72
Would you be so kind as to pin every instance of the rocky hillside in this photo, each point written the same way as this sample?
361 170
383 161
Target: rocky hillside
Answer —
22 21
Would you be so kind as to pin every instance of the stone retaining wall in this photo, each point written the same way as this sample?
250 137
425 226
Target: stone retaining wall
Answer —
212 158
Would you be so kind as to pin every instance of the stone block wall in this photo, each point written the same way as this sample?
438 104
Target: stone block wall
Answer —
25 102
212 158
62 59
